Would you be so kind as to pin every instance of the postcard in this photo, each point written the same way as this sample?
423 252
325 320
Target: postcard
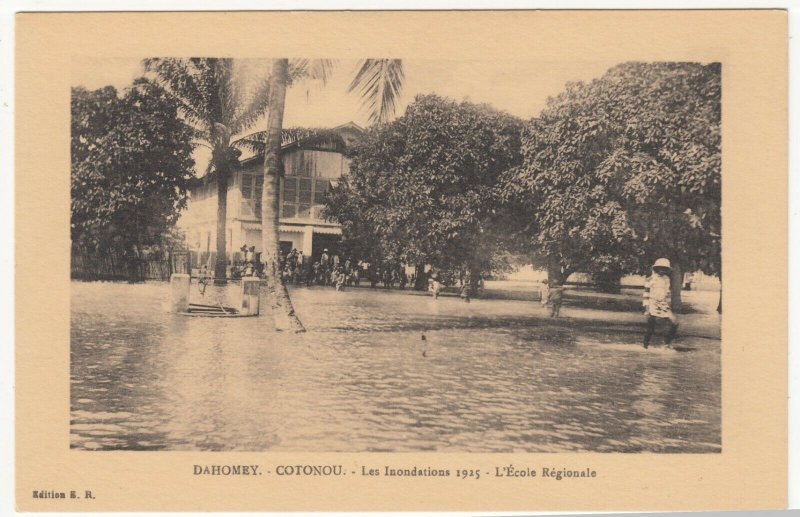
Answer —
401 261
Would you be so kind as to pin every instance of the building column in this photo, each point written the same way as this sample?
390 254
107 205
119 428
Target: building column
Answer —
308 241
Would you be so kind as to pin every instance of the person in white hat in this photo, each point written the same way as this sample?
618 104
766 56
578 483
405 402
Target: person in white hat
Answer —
658 301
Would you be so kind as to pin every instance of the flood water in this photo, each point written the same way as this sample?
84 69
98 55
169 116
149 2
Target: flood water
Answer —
489 376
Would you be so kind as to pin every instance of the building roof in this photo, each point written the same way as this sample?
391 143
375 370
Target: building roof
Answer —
326 139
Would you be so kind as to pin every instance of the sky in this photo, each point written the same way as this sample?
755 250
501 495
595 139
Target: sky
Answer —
516 86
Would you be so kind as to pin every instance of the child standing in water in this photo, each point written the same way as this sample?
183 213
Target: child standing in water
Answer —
658 301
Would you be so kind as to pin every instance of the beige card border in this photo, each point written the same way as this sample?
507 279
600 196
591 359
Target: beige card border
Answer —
749 473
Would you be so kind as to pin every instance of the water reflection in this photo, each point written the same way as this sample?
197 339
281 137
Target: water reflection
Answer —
486 378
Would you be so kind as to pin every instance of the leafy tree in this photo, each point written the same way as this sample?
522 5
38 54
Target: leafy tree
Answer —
378 81
623 170
422 189
131 167
215 100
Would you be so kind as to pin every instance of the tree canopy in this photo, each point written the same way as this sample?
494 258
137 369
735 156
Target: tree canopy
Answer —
623 170
131 167
421 189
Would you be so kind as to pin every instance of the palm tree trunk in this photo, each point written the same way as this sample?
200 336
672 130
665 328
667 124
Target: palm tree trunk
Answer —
475 273
420 278
282 308
221 263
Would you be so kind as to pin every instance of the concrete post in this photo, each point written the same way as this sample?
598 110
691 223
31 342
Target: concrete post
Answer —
179 292
250 302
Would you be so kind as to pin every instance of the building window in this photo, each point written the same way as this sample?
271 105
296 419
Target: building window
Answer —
302 197
252 187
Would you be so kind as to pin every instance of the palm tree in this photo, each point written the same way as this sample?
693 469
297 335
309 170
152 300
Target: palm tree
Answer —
378 81
215 102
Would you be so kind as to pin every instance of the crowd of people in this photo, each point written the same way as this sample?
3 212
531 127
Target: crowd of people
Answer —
330 269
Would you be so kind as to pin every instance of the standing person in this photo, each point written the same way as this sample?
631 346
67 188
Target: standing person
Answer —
545 292
203 281
249 262
361 271
465 291
555 297
435 286
324 262
317 272
658 301
308 271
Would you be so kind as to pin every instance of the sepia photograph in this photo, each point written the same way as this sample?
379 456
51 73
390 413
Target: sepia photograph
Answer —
394 254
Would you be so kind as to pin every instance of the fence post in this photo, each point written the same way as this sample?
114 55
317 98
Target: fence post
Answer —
179 292
250 301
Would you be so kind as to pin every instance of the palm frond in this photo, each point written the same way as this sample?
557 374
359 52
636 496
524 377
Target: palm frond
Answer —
310 72
313 69
182 81
321 70
379 83
256 142
297 70
312 136
223 92
209 169
254 108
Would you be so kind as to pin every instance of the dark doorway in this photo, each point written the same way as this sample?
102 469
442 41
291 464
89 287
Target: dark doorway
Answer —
286 247
321 242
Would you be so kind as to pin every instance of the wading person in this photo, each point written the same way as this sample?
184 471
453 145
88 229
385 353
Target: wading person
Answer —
544 292
203 281
435 286
658 301
464 293
555 296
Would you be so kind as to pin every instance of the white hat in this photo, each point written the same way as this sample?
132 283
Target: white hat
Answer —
662 262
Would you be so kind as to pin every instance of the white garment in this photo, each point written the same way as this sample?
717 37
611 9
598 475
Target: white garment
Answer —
658 296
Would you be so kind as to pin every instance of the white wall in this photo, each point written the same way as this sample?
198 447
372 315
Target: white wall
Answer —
296 238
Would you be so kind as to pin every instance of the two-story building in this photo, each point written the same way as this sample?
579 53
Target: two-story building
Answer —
310 166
